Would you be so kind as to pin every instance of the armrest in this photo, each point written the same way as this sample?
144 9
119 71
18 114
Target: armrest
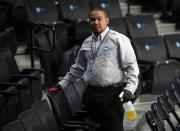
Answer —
14 84
144 67
25 76
94 125
72 126
81 114
32 69
8 93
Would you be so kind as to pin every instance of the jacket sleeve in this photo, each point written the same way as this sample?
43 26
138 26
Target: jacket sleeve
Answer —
129 63
76 70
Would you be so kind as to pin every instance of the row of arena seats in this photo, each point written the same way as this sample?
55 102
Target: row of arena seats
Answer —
62 113
142 31
26 13
73 12
160 117
158 56
18 89
158 60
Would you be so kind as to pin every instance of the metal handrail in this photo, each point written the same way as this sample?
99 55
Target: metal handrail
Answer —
33 47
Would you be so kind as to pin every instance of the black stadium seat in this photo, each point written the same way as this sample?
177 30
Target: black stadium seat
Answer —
150 49
73 10
66 62
12 39
41 11
168 105
60 107
73 99
81 31
45 113
80 87
154 122
21 87
141 25
50 62
11 104
75 14
63 114
118 24
31 121
159 110
34 75
3 112
112 7
173 46
171 95
154 63
15 125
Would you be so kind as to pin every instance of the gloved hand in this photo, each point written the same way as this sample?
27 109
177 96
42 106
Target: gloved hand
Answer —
127 96
56 87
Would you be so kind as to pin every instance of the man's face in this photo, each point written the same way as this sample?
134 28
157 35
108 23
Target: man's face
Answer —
98 21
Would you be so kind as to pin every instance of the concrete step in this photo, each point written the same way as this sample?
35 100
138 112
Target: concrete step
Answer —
134 9
164 28
24 61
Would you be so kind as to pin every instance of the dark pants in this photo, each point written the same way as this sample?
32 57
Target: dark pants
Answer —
105 107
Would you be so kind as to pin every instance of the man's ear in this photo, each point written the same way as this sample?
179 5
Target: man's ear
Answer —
107 20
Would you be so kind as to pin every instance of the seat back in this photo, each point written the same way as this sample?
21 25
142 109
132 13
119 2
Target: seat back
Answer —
172 95
166 103
66 62
81 31
3 111
167 68
49 61
154 122
168 106
31 121
3 17
12 69
112 7
159 110
12 39
44 11
3 39
62 36
15 125
8 58
176 86
173 45
60 107
36 86
79 87
72 98
150 49
74 9
118 24
141 25
46 115
5 74
12 103
75 50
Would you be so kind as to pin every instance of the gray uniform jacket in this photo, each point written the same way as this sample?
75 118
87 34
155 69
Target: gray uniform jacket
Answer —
105 61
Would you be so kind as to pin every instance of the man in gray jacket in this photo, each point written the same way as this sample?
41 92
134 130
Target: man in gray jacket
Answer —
107 63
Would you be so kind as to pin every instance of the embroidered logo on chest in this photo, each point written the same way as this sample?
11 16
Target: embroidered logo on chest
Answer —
106 48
